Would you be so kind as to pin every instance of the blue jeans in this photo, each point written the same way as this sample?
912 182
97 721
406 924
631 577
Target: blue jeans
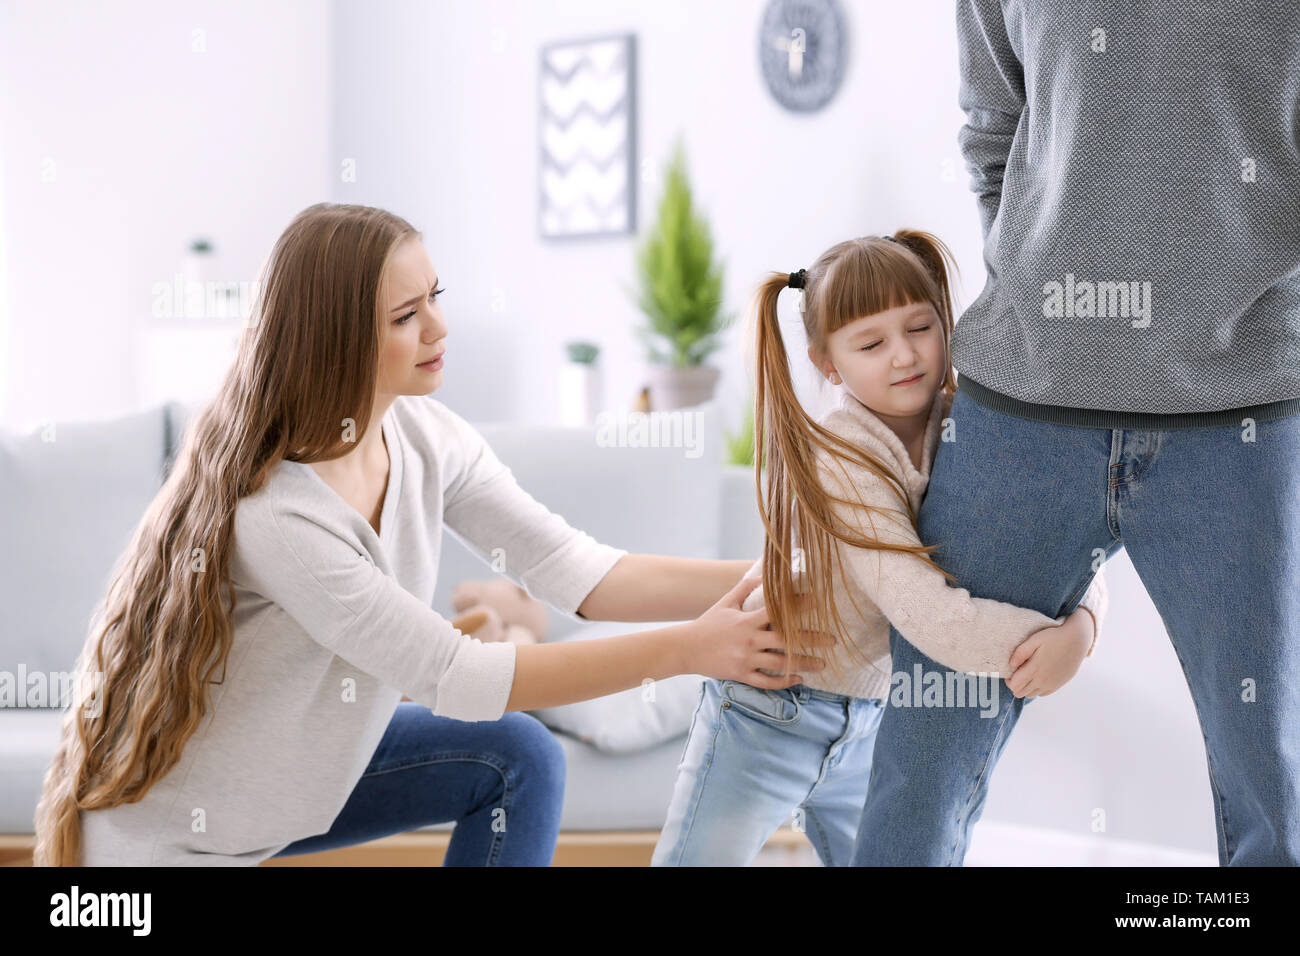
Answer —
501 781
1211 523
757 758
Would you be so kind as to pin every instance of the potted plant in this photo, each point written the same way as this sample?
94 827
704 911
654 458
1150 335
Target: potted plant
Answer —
741 521
579 385
681 295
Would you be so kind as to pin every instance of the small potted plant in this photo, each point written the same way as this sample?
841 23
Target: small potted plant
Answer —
741 521
579 385
681 295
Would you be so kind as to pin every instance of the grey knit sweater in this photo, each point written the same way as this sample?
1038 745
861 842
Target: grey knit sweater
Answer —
1137 168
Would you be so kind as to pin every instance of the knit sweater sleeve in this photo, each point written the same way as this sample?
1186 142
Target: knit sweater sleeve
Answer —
991 92
1097 599
506 526
947 624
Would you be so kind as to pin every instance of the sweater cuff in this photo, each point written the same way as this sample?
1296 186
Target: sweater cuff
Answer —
477 684
1097 601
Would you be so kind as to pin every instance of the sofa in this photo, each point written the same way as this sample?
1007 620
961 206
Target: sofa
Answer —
1121 736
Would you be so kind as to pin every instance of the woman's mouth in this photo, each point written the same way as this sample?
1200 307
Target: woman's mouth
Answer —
431 366
913 380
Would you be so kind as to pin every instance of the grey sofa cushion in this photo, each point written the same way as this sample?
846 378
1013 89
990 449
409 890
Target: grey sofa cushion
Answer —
69 508
632 720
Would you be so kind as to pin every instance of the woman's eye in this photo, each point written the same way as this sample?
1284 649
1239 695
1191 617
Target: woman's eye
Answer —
432 297
921 329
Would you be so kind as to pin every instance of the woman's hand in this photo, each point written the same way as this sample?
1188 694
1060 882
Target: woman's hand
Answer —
728 643
1047 659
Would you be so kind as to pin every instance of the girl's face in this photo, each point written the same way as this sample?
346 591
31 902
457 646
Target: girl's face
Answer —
874 354
413 330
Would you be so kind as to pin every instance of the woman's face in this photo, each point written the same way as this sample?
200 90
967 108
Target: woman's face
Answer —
414 330
873 353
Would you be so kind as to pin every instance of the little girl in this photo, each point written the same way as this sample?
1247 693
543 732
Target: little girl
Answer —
877 313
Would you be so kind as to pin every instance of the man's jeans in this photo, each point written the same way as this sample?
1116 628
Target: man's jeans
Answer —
1211 522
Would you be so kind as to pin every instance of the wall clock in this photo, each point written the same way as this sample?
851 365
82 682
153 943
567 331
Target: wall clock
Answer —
801 51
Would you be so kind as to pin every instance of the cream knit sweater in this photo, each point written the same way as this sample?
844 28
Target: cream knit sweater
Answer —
947 624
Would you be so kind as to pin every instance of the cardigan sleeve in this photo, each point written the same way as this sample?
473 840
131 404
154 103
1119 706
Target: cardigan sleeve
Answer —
947 624
341 600
510 529
1097 599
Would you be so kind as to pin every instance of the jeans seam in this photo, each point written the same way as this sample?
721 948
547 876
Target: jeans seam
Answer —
494 849
692 808
952 851
1219 808
823 843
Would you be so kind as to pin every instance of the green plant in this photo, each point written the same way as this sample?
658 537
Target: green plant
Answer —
584 353
200 246
740 445
680 284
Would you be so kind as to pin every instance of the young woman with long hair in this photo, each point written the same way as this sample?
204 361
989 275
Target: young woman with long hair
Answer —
273 606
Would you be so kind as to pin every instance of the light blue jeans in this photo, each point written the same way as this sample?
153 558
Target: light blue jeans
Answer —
1211 522
756 759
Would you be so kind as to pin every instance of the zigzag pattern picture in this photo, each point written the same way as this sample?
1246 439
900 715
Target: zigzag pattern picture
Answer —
588 143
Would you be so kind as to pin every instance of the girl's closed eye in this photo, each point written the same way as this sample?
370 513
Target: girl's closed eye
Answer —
432 297
868 348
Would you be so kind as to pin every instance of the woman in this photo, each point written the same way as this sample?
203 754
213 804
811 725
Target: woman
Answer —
274 604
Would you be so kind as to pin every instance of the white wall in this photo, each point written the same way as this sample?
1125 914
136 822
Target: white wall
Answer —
150 143
439 103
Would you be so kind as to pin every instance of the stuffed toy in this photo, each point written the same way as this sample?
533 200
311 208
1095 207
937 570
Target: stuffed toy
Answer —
499 610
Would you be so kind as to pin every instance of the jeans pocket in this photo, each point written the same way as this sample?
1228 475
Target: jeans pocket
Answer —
778 707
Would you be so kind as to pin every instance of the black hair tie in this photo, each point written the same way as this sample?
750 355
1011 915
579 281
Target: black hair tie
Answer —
798 279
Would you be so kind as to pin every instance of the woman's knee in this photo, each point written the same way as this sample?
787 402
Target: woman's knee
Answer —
532 751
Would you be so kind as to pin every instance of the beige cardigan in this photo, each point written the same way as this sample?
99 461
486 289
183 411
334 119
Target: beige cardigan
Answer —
947 624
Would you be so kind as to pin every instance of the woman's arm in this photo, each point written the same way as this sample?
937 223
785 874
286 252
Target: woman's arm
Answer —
656 587
725 642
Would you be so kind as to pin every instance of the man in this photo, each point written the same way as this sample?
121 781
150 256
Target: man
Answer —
1129 377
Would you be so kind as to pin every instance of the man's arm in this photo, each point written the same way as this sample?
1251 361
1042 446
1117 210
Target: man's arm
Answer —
992 94
656 587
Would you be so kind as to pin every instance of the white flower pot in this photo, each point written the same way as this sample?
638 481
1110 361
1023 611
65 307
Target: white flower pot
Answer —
580 396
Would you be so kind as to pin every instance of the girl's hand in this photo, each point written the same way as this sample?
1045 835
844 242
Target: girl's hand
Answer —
1047 659
728 643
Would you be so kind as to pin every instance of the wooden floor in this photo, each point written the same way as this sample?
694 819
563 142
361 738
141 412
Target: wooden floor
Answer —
427 848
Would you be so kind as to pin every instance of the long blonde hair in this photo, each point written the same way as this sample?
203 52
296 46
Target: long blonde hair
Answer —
855 278
161 636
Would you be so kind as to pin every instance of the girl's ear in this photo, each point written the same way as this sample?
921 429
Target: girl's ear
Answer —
825 366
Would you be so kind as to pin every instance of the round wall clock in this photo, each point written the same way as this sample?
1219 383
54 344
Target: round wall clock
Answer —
801 52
